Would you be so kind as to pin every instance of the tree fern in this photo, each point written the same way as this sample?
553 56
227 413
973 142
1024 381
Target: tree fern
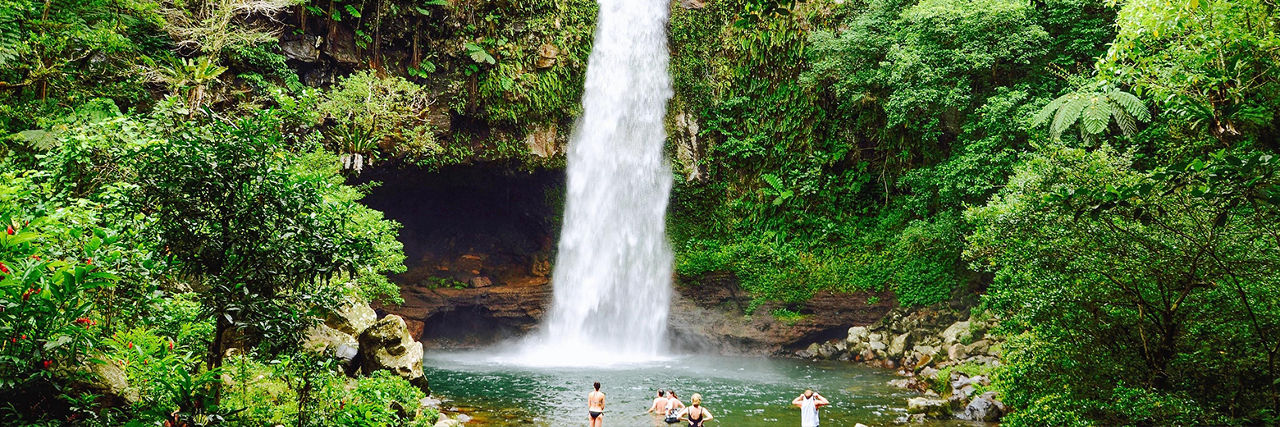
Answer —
1094 110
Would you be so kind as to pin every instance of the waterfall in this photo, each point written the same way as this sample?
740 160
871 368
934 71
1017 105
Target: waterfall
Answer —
612 274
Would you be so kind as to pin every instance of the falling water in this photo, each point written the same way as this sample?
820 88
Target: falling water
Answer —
613 271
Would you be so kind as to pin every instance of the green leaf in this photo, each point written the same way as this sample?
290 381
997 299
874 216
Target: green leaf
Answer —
57 342
478 54
1095 115
355 13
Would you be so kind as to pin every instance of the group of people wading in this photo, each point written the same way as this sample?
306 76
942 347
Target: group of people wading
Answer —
667 405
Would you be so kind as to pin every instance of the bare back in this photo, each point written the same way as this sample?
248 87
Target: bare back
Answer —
595 401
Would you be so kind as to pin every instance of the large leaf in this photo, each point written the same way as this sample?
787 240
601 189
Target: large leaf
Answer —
1096 114
478 54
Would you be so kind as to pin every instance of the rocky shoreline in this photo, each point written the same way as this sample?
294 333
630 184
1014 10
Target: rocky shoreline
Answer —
931 348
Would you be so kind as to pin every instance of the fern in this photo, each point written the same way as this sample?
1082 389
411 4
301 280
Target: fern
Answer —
1095 111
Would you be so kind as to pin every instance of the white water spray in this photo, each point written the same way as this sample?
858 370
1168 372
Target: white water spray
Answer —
613 270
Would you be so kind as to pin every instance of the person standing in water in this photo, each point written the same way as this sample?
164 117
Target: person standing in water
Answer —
674 405
696 414
659 403
595 406
809 402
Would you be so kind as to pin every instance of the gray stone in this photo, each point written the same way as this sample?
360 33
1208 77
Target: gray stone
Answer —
693 4
978 347
387 345
875 337
857 334
877 346
956 352
303 49
445 422
352 317
930 406
899 345
983 409
956 332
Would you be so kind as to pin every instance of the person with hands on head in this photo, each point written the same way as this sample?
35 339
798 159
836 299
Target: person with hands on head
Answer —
809 402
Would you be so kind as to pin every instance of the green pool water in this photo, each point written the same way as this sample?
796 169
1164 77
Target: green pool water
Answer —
740 392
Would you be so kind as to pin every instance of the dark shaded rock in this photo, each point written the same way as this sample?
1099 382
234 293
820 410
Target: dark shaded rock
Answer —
301 49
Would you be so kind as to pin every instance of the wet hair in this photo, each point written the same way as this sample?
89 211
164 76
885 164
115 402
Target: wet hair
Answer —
597 385
808 393
661 392
696 399
672 393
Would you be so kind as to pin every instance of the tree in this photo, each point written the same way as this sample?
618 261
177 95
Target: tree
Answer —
258 239
1160 271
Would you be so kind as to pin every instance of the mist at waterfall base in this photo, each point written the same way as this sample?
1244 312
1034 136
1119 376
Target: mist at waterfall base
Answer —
612 277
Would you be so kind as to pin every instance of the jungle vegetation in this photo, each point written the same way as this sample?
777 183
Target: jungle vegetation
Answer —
1101 175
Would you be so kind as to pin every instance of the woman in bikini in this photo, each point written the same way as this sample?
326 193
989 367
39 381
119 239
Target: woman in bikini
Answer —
696 414
674 405
595 406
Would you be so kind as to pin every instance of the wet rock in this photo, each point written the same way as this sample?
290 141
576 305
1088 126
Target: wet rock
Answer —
693 4
302 49
547 54
446 422
387 345
932 407
542 141
927 372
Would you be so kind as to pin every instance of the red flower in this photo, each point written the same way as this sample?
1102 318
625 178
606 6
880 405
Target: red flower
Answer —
3 268
89 261
48 363
24 336
171 345
35 257
9 230
130 345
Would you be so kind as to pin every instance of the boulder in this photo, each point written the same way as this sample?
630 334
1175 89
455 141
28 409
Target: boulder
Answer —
480 282
957 332
978 347
351 317
446 422
857 334
930 406
875 337
877 346
956 352
387 345
302 49
899 345
985 409
324 339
